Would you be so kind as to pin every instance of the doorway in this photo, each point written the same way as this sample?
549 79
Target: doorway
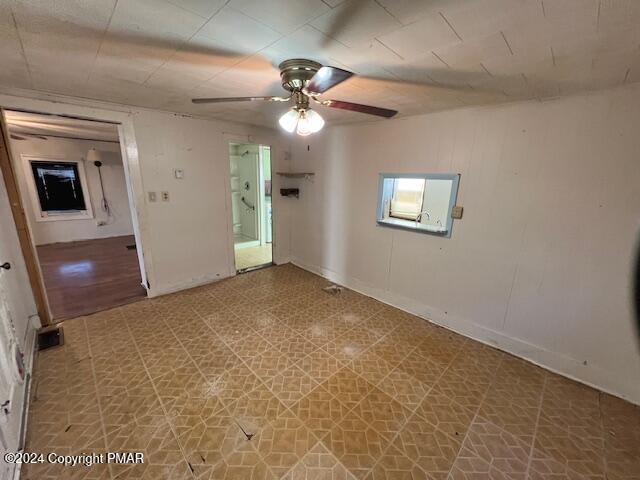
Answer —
72 184
250 168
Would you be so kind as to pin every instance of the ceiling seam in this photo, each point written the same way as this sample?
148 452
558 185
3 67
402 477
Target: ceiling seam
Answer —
439 58
22 50
450 26
182 44
506 42
486 69
377 2
326 35
104 35
389 48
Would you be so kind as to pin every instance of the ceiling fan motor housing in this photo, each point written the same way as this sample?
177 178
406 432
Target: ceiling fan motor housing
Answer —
297 72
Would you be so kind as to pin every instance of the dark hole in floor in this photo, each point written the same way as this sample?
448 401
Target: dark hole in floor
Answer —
131 247
51 337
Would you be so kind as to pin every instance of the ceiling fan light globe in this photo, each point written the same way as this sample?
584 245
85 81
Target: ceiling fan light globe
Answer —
316 122
289 120
304 125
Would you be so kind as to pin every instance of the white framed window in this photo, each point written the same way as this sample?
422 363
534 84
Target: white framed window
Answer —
422 201
58 188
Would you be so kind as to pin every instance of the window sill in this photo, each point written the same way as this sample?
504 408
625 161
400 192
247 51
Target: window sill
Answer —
412 226
64 216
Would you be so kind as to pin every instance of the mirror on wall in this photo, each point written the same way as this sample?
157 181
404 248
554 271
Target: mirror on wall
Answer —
422 202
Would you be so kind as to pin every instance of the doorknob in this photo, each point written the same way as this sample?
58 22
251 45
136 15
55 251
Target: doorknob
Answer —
6 266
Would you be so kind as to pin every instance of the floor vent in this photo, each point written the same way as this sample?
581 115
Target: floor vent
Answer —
131 247
51 337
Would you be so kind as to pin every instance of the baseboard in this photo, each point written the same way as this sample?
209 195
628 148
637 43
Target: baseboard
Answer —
564 365
193 283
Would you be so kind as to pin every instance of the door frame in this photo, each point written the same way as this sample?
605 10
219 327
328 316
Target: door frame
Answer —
24 235
133 180
229 139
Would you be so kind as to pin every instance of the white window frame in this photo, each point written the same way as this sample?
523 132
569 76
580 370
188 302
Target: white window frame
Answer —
385 195
41 216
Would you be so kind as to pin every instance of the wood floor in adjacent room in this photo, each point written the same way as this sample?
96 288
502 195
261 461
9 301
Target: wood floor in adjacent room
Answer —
91 275
266 376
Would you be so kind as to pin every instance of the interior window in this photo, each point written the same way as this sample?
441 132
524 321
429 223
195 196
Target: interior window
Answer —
58 187
408 195
422 202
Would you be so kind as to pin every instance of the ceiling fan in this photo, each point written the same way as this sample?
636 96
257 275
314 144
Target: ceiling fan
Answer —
306 80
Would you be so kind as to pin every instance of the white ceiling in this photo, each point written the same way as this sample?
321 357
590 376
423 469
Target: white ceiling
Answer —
25 124
411 55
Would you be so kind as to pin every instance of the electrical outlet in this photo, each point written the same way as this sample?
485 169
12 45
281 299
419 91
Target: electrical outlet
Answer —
152 196
164 196
178 173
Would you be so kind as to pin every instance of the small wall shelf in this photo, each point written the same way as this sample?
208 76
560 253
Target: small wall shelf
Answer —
306 175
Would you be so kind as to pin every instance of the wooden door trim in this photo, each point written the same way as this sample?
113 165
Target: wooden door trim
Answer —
20 220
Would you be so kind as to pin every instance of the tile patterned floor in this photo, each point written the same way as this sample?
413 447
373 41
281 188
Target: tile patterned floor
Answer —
253 256
326 387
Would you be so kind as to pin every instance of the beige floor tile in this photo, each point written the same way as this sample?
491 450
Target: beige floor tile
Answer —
326 387
291 385
319 464
163 458
348 387
256 408
428 372
383 413
489 450
370 366
238 466
319 410
395 465
268 364
319 365
284 442
356 444
404 388
433 450
296 347
351 344
463 390
445 413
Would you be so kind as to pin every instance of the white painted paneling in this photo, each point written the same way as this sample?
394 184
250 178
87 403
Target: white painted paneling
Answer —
190 236
540 265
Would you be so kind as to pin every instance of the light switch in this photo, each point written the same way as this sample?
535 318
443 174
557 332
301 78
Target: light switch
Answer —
456 212
178 173
165 196
152 196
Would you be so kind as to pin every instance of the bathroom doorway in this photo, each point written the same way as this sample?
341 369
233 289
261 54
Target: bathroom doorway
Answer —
250 167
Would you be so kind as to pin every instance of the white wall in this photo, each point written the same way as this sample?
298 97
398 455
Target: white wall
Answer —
189 240
191 236
540 265
119 223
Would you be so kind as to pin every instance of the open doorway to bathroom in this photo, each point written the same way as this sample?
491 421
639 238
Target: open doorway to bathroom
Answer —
250 167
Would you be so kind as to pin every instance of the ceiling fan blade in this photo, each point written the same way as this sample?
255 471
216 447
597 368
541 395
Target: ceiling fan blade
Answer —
326 78
239 99
357 107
